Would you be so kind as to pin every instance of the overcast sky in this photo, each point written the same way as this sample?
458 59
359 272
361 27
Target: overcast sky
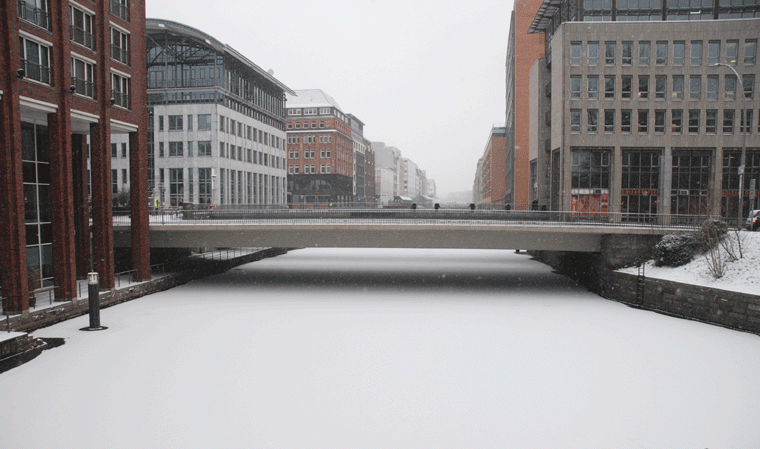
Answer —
425 76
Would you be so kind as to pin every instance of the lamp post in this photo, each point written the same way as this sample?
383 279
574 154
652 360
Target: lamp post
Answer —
745 129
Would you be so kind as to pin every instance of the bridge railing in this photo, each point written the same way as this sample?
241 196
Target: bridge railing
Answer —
409 216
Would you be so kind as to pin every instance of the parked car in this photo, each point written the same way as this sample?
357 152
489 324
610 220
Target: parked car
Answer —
753 221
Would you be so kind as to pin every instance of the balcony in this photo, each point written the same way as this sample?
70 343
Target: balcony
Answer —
32 14
83 87
120 54
82 37
120 8
35 71
120 99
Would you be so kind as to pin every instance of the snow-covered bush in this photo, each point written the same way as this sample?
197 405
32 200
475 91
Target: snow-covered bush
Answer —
675 250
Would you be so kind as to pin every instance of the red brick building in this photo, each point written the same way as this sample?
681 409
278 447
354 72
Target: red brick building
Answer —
320 150
490 177
69 70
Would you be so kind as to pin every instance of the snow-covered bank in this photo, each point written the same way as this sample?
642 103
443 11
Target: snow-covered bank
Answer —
348 348
742 275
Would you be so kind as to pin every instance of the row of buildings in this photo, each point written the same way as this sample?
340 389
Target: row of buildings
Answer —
646 107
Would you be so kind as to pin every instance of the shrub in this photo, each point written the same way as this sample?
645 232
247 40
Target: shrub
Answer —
675 250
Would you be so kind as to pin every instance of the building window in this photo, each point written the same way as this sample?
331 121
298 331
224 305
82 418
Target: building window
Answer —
626 86
593 87
732 52
609 120
114 150
644 51
176 149
660 86
750 51
160 149
713 52
593 120
691 174
695 87
625 120
590 180
712 87
124 150
609 86
662 53
676 121
120 8
80 27
176 186
575 120
728 121
696 53
575 86
120 90
640 183
204 121
745 121
593 53
175 123
679 49
730 87
82 77
35 11
711 121
189 122
114 181
643 121
694 121
677 87
35 60
748 81
609 53
659 121
119 46
643 87
626 53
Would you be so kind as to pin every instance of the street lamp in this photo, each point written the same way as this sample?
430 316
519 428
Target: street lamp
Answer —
745 129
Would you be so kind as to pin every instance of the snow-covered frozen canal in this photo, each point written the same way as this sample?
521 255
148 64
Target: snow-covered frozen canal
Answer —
346 348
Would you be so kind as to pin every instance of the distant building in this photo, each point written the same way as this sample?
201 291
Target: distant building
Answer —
320 150
491 168
216 128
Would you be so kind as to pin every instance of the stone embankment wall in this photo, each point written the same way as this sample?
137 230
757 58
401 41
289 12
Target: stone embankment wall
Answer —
195 269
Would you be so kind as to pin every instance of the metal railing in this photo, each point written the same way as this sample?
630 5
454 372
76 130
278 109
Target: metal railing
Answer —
121 99
31 13
120 54
35 71
83 87
120 9
82 37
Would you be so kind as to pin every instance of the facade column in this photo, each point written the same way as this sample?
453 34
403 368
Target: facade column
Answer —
13 275
138 190
62 205
81 204
102 198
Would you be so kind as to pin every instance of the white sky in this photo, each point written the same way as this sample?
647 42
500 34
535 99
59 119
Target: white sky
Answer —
427 77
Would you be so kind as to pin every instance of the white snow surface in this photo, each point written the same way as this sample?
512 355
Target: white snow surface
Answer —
741 275
358 348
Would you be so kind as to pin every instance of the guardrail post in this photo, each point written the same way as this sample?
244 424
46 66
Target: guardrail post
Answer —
93 284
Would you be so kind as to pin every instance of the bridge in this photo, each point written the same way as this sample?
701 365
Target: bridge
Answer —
402 228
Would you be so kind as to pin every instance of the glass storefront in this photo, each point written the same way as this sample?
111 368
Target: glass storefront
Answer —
39 232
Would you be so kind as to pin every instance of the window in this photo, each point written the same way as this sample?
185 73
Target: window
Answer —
35 11
593 53
120 46
659 121
160 122
35 60
745 121
644 51
590 170
730 87
609 120
626 53
625 120
120 90
575 86
175 123
120 8
660 86
679 48
124 150
676 121
190 122
176 186
160 149
575 120
222 119
696 52
609 53
712 87
728 121
114 149
732 52
204 121
643 121
713 52
575 53
593 120
643 87
711 121
82 77
609 86
593 87
626 86
677 87
662 53
750 51
748 81
114 181
190 148
176 149
693 121
80 27
695 87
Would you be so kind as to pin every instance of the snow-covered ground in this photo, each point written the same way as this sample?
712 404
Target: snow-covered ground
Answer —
741 275
354 348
